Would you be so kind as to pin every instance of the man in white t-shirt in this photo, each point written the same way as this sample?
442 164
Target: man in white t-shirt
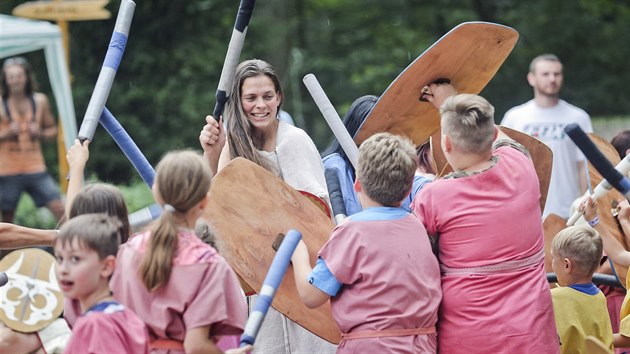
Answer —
545 117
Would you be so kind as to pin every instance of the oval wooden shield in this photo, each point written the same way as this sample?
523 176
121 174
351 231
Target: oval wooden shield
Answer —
552 224
469 55
605 204
31 299
540 152
248 208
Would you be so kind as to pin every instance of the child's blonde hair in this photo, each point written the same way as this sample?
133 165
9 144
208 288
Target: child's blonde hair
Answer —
98 232
469 121
387 164
582 245
182 180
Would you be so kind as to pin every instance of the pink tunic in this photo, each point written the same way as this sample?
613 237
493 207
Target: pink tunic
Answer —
202 290
391 280
485 219
114 330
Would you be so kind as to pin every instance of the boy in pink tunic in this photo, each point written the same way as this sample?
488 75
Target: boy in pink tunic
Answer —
487 222
377 268
85 250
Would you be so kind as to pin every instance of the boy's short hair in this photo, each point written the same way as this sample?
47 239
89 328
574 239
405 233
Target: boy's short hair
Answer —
469 121
582 245
97 232
387 164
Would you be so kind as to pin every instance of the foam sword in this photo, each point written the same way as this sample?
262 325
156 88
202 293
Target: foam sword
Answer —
598 160
274 276
233 54
105 79
603 187
345 140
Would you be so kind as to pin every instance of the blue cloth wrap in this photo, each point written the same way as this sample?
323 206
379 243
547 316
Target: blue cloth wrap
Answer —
115 51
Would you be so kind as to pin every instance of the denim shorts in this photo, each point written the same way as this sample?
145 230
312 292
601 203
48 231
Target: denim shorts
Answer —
40 186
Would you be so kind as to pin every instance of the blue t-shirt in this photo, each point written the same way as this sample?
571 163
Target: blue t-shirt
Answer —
418 183
589 289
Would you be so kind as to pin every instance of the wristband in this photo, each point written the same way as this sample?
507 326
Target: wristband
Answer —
594 222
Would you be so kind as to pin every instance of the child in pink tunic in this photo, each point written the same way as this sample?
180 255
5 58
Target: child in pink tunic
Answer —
377 268
181 287
85 250
487 221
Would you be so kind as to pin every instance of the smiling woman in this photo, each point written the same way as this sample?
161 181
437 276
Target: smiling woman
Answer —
253 131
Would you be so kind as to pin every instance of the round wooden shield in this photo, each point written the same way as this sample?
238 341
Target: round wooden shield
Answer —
31 299
552 224
248 208
469 55
606 203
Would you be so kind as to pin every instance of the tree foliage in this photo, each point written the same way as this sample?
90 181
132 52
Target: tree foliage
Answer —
165 85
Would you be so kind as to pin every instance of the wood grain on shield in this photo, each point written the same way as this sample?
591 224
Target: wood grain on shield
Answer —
552 224
540 152
605 203
248 208
542 157
469 55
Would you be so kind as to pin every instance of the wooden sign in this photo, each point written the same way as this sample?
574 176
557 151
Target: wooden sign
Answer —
75 10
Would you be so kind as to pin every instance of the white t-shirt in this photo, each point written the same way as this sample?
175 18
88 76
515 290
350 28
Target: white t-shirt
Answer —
547 124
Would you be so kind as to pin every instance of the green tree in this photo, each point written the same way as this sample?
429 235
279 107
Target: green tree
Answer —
165 85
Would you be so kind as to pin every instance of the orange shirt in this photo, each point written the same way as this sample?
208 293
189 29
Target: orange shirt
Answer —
22 154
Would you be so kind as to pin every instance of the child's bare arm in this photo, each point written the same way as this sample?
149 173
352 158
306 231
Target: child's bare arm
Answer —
77 157
311 296
621 341
613 248
16 342
197 340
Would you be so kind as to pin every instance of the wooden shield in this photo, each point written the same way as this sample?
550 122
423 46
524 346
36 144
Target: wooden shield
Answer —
31 299
248 208
552 224
540 152
319 202
605 204
469 55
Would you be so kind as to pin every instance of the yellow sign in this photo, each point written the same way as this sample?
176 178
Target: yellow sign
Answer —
73 10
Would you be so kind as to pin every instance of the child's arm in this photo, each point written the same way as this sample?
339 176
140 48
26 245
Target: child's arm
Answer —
77 157
621 341
16 342
197 340
311 296
612 246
